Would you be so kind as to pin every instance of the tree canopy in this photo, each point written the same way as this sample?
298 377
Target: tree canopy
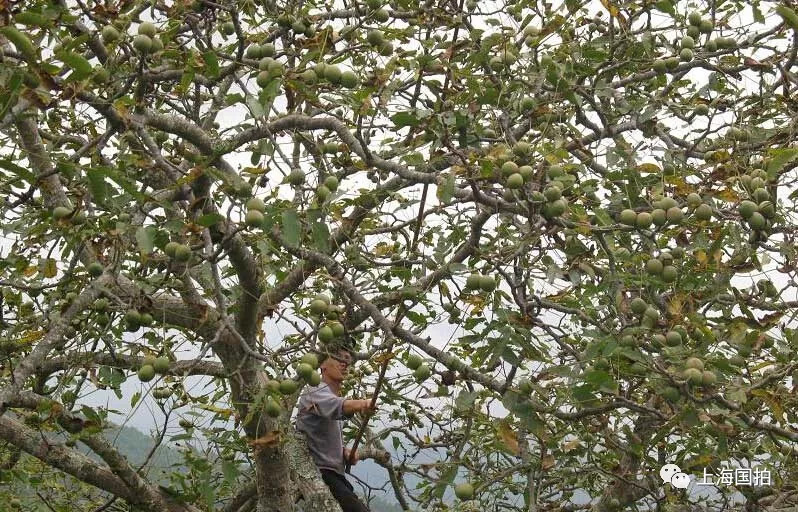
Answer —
560 238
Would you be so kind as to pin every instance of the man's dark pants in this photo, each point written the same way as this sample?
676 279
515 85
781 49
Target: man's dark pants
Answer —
343 492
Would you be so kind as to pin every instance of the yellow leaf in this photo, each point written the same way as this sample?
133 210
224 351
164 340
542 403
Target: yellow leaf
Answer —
31 336
571 445
700 257
675 305
30 271
218 410
728 195
547 462
649 168
509 437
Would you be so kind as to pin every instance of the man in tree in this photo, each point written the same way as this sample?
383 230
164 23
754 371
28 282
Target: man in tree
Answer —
320 417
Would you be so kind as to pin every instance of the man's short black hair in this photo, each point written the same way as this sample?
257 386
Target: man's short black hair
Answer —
325 351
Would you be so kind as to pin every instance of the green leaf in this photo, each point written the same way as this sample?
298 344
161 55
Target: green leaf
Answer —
666 6
403 119
255 107
211 64
601 380
135 398
20 171
97 185
446 189
77 63
145 237
230 471
291 228
321 236
14 85
209 219
780 158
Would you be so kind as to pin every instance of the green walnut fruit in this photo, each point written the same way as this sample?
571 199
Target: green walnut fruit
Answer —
349 79
263 79
256 203
761 194
693 376
525 386
318 307
693 32
375 38
254 218
473 281
296 177
660 66
515 181
148 29
693 200
673 339
323 193
487 283
628 217
526 172
305 371
669 274
659 217
672 63
311 359
227 28
703 212
110 34
687 42
146 319
146 373
757 221
701 109
464 491
326 334
338 329
644 220
170 249
142 44
654 266
552 193
182 253
651 313
675 215
185 423
422 372
61 212
509 168
161 364
414 361
694 362
95 269
332 73
671 394
555 208
638 306
272 408
331 182
747 209
288 386
694 18
315 379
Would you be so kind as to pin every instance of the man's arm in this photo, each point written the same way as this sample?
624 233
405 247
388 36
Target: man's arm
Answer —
353 406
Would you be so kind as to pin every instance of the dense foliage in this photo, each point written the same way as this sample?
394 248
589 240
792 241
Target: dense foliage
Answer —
565 233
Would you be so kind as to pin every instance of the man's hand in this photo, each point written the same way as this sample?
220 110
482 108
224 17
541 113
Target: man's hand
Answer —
366 407
354 456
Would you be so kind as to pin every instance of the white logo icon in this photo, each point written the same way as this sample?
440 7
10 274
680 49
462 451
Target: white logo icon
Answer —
672 474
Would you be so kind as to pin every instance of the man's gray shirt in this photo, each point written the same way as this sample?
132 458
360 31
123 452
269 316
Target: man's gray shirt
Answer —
320 416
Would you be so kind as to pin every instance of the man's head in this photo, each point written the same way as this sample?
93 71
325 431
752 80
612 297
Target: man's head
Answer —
334 364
